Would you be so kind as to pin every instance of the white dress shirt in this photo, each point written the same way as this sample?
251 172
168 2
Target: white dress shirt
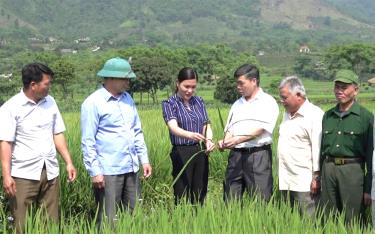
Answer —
30 127
299 147
260 112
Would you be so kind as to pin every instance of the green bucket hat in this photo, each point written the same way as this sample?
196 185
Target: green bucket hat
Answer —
117 68
346 76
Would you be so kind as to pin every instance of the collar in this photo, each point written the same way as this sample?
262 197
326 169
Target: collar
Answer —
257 96
355 109
178 98
25 100
302 111
108 96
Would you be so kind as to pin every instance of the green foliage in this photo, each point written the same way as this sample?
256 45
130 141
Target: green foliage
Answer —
362 10
123 23
226 90
153 73
356 57
310 67
64 75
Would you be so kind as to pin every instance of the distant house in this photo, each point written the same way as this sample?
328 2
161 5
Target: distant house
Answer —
304 49
96 48
371 81
8 76
52 39
83 39
67 51
260 53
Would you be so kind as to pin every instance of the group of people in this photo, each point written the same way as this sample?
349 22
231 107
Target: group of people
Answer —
324 157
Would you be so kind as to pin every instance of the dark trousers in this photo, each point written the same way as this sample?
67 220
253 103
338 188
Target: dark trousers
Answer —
194 180
249 170
342 189
120 191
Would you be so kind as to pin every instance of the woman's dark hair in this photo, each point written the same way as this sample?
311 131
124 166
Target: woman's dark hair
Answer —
187 73
34 72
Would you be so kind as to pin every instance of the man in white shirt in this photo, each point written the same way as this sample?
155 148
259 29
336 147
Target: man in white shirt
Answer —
299 146
248 133
31 130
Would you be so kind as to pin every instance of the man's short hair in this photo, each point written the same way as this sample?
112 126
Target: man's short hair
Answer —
34 72
249 71
294 85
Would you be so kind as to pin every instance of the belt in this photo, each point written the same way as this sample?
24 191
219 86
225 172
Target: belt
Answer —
253 149
343 161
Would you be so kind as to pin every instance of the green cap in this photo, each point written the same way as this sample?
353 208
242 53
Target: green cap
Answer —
346 76
117 68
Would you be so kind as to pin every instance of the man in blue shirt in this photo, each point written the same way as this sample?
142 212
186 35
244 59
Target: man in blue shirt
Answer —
112 141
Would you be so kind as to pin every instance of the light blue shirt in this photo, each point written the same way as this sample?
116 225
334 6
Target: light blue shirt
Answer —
112 138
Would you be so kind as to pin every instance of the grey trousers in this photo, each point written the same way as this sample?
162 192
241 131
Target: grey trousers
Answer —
303 200
249 170
120 191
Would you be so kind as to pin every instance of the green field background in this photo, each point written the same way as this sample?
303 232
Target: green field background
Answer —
156 212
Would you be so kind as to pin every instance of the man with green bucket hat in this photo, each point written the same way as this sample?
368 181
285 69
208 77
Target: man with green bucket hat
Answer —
113 145
346 148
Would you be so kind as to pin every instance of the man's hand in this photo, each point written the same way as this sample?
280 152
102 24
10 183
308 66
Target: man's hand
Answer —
315 187
71 171
9 186
147 170
366 199
98 181
230 142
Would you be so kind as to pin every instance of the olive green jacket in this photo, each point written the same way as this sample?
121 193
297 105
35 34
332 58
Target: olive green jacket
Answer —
350 135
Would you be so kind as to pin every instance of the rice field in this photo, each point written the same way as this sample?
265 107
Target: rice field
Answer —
156 212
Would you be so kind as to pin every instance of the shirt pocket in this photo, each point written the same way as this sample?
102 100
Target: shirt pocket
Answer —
352 138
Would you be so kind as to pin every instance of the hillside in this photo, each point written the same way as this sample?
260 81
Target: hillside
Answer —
271 25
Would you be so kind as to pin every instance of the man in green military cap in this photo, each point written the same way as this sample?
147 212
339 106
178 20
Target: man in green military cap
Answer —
346 150
113 145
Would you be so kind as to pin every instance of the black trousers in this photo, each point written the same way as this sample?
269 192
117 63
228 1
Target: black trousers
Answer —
249 170
192 184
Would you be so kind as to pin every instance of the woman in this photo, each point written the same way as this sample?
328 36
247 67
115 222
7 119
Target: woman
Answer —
188 124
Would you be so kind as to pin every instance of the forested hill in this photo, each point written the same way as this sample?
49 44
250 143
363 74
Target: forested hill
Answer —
256 23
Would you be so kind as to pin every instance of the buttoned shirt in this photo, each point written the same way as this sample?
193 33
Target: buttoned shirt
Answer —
298 147
30 127
190 118
112 138
349 135
245 116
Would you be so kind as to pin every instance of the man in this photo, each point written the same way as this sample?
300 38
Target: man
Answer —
346 147
248 133
299 146
31 129
112 141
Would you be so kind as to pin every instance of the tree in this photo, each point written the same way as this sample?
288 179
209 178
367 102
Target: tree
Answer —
153 73
64 75
307 66
357 57
226 90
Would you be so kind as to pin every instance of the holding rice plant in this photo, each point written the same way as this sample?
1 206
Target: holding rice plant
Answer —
188 124
248 134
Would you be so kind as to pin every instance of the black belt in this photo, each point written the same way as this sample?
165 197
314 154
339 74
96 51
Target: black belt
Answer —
343 161
253 149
